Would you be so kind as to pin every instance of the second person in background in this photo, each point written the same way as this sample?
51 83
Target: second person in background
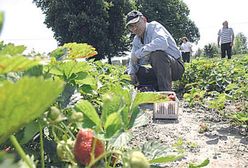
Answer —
226 38
186 48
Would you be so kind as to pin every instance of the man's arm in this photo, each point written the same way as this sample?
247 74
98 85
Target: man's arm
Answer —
133 62
232 37
132 69
218 39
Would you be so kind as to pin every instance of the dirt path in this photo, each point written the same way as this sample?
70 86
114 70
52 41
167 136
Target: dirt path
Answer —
222 144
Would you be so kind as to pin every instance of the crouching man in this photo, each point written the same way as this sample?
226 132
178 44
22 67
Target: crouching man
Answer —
154 46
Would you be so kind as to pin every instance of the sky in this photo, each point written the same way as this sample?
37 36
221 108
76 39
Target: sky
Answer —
24 22
24 25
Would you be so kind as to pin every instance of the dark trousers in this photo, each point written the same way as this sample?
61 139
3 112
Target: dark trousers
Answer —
165 69
186 56
226 48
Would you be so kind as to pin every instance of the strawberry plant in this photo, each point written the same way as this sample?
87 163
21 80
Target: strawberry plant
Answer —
216 83
48 105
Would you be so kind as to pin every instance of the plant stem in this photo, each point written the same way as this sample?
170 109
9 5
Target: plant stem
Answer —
69 131
95 160
42 147
20 151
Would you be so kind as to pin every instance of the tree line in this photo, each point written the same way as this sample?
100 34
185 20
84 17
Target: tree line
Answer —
101 23
240 47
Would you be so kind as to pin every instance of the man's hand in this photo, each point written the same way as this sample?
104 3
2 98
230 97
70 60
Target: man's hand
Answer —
134 80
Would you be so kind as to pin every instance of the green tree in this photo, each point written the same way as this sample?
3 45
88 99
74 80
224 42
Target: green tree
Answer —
117 33
173 14
240 44
96 22
211 50
101 23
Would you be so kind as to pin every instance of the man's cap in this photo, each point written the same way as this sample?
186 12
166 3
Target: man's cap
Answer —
133 17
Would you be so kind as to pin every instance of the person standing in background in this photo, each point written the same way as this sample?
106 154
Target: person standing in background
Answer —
186 49
225 37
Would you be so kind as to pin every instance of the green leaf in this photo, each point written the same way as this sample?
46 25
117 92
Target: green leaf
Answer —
88 123
111 103
117 98
12 50
141 120
88 110
243 117
231 86
154 149
85 79
112 125
15 64
29 131
149 97
69 68
79 50
24 101
134 113
203 164
165 159
122 140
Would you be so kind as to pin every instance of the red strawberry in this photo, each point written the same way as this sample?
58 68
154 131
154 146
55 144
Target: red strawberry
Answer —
172 97
84 145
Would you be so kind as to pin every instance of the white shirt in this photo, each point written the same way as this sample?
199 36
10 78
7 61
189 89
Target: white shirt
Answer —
186 47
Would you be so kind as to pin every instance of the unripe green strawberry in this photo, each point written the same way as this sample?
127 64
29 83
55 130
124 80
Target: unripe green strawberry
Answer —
64 149
84 146
53 113
77 116
138 160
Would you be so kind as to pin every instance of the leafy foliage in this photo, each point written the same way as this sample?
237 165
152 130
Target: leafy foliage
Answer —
119 110
10 49
210 50
215 82
240 44
96 96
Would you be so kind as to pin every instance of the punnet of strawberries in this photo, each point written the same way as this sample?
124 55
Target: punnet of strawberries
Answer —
85 142
172 97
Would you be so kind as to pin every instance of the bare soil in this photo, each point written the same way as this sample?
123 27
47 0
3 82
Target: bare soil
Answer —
225 145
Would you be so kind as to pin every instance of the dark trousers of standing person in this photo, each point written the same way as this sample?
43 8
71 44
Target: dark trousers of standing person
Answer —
226 49
186 56
165 69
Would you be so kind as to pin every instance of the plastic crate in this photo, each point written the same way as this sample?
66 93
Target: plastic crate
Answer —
168 109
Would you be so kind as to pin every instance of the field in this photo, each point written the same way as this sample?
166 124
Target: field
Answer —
62 112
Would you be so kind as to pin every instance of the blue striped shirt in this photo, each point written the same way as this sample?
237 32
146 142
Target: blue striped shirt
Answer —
156 37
